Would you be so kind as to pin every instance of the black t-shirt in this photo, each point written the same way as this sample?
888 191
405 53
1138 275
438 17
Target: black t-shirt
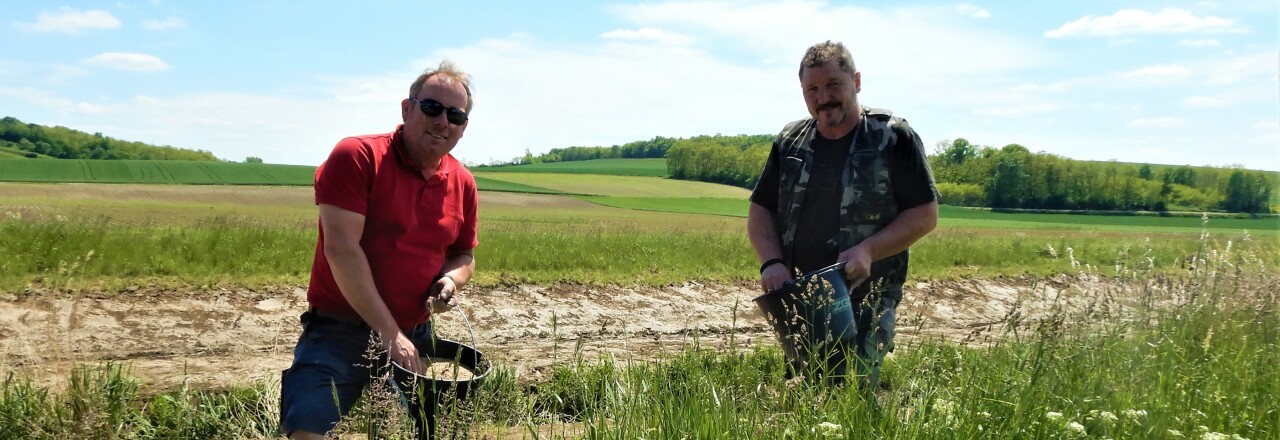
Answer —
815 240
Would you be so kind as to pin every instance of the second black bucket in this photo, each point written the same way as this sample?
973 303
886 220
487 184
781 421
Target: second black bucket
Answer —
813 318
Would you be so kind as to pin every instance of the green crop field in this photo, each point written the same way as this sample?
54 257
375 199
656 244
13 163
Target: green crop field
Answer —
487 184
620 186
153 171
712 206
1168 350
615 167
980 218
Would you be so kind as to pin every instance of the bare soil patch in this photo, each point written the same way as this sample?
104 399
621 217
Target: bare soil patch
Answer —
222 337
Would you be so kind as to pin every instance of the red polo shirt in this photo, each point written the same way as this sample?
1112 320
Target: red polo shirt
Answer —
411 222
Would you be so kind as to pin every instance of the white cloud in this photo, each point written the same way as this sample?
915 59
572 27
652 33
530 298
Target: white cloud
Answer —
632 94
1157 73
972 11
1210 101
1135 21
1016 111
1162 122
166 24
1245 68
133 62
1266 124
649 34
1207 42
71 21
783 30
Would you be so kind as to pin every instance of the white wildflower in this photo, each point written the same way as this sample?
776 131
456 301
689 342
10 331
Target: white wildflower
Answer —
1107 417
1134 413
1075 428
1214 436
827 430
1052 252
1173 433
1053 416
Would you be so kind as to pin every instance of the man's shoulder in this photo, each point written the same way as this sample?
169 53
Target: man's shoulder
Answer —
377 141
796 125
459 170
885 118
794 129
883 115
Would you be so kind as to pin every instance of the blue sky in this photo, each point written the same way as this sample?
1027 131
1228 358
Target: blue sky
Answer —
1171 82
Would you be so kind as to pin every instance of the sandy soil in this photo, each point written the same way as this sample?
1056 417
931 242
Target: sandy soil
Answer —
220 337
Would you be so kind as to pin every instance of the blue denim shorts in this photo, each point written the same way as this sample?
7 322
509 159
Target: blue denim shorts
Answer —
332 364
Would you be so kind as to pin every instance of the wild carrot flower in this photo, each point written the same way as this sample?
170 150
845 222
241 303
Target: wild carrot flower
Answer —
1134 414
1106 417
1053 416
1075 428
827 430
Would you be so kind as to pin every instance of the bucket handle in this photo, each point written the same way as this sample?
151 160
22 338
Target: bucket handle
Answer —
475 343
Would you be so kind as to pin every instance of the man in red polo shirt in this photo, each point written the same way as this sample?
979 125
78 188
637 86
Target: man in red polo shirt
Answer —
397 229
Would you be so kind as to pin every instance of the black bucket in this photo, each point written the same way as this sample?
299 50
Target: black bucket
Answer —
813 318
463 357
424 395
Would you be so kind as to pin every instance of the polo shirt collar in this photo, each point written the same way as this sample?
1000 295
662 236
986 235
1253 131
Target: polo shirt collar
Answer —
447 165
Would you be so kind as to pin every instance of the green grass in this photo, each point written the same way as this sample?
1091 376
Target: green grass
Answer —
9 152
615 167
619 186
1155 357
648 248
964 217
487 184
153 171
712 206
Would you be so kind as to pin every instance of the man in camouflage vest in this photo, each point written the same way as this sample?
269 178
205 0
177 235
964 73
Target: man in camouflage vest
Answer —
850 184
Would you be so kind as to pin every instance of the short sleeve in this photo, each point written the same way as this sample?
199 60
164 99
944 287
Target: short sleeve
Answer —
766 190
346 177
912 179
467 236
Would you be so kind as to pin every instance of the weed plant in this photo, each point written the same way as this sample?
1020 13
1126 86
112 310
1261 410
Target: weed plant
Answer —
1146 355
51 255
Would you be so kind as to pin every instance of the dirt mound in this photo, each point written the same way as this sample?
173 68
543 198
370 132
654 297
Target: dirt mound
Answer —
213 338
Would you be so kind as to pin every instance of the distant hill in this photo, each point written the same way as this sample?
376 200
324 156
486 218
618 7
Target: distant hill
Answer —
34 141
183 172
616 167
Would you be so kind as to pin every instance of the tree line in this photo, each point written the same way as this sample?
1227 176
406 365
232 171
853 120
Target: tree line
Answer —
651 149
36 140
977 175
1014 177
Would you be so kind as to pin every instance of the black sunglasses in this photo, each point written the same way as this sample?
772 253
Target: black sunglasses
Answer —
433 108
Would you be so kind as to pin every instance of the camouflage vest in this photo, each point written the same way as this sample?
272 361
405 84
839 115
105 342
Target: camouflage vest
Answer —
867 204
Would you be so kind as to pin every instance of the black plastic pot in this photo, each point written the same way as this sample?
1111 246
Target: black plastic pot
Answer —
424 394
813 319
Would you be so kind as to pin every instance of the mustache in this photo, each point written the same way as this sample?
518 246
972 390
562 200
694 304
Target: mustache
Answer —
829 105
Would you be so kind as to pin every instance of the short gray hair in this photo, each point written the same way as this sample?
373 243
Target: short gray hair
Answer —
820 53
448 69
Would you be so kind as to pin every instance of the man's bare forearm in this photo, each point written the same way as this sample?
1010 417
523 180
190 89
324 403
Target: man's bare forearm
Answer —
762 233
910 226
459 266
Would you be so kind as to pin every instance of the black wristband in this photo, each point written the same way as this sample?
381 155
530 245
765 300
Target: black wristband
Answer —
770 263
